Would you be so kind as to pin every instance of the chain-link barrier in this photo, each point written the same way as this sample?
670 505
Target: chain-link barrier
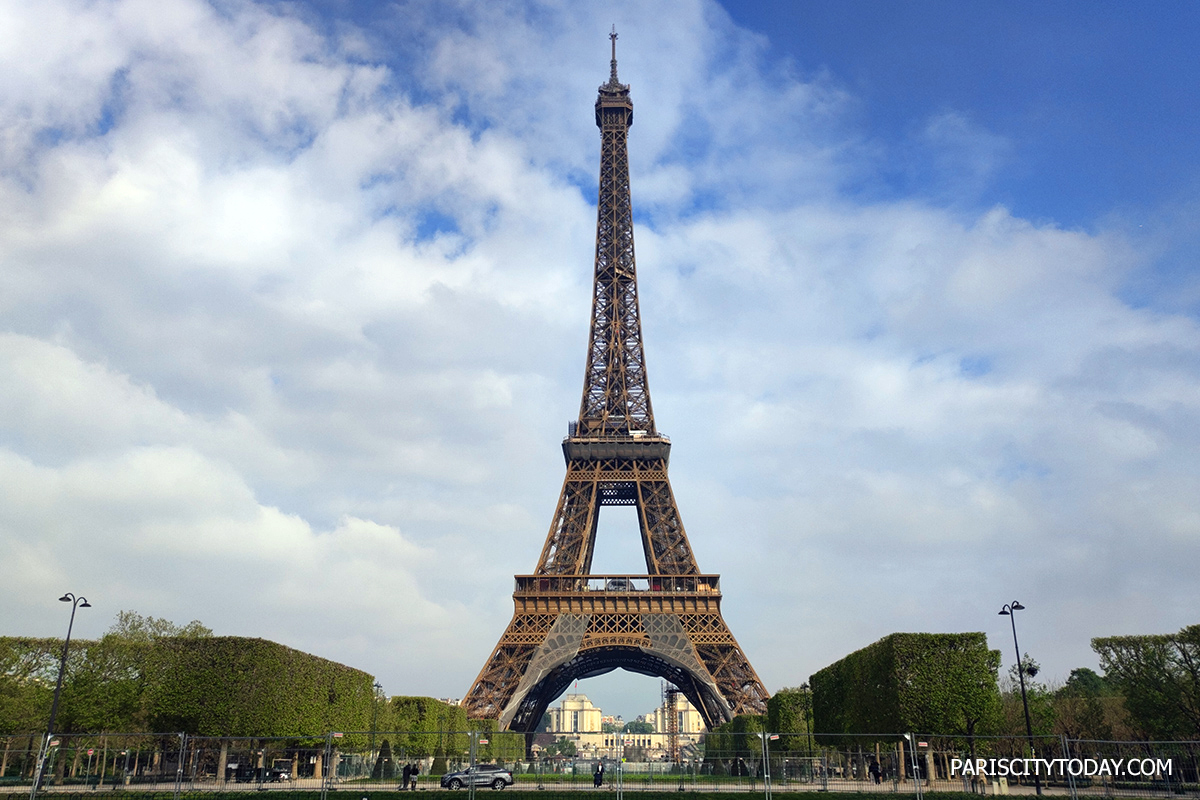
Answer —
748 761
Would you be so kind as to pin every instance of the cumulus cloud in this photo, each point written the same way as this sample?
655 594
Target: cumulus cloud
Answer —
292 312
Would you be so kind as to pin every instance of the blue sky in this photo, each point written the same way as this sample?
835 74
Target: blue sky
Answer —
293 306
1095 101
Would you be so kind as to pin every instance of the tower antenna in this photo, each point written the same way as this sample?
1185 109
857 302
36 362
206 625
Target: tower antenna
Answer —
612 74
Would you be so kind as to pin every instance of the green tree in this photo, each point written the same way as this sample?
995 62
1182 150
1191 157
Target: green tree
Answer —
788 715
1084 706
107 689
1038 696
638 727
385 765
104 683
429 727
28 671
500 745
566 747
728 747
1159 677
1084 682
133 627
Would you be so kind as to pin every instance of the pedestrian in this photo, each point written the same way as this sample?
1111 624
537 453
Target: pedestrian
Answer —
598 777
405 773
416 770
874 770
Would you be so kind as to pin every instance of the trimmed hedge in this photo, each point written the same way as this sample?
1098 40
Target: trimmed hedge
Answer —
207 686
232 686
919 682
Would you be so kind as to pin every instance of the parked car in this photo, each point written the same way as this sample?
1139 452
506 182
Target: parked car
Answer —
493 775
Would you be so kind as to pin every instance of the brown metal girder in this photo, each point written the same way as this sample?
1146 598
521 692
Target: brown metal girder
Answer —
574 524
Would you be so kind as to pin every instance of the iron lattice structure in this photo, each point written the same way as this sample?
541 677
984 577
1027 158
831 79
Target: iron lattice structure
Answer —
570 624
671 711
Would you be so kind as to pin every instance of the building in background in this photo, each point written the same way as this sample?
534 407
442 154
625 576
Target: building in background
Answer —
577 719
575 714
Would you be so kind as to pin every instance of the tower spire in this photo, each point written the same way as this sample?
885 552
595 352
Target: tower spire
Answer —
612 69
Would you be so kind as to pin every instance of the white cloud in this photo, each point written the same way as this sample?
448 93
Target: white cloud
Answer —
966 155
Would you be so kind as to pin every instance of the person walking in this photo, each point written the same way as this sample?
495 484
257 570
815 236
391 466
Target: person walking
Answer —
416 770
404 775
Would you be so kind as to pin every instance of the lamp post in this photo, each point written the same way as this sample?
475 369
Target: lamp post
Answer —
808 714
374 717
76 602
1010 610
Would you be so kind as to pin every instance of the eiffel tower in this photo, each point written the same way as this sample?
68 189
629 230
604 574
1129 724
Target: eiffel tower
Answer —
568 623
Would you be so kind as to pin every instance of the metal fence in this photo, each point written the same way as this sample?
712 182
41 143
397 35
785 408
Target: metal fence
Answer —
378 761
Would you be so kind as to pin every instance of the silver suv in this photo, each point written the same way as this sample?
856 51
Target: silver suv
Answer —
492 775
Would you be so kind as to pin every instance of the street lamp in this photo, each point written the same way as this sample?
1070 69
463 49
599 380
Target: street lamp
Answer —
1010 610
374 717
808 714
76 602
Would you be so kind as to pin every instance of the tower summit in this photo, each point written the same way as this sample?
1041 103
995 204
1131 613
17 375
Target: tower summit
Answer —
568 623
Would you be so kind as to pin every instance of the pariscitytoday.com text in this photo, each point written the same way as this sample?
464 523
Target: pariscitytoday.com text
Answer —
1062 767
